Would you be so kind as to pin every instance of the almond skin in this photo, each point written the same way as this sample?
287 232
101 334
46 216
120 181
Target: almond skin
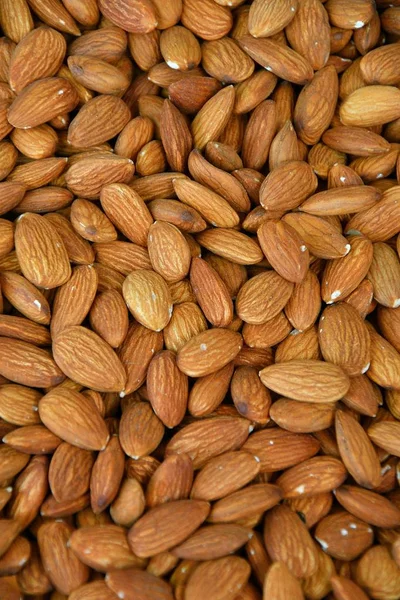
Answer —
52 538
136 16
284 249
298 551
169 252
208 485
226 433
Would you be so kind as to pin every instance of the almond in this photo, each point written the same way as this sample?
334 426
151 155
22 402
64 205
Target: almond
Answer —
148 298
106 476
280 60
137 16
147 585
325 382
343 536
26 364
265 21
278 449
81 426
69 473
369 106
98 368
41 101
223 577
98 120
52 539
109 317
208 351
207 438
87 177
212 542
314 476
39 55
141 430
298 550
189 513
353 443
281 583
368 506
167 388
344 338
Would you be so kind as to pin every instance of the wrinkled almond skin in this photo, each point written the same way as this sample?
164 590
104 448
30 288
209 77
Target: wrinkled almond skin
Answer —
199 299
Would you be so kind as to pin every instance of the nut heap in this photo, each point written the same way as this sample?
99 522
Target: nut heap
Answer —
200 299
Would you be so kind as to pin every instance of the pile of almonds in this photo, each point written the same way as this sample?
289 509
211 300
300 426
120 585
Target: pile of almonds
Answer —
200 299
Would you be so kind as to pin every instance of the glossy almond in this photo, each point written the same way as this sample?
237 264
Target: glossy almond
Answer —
207 438
148 298
27 364
70 415
284 249
41 101
356 451
137 16
281 60
306 380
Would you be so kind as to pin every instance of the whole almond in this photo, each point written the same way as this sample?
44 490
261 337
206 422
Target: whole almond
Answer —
208 351
168 251
189 513
339 327
148 298
298 551
207 438
26 364
167 388
327 381
98 120
41 101
354 443
29 62
136 16
284 249
98 368
52 538
82 427
49 265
